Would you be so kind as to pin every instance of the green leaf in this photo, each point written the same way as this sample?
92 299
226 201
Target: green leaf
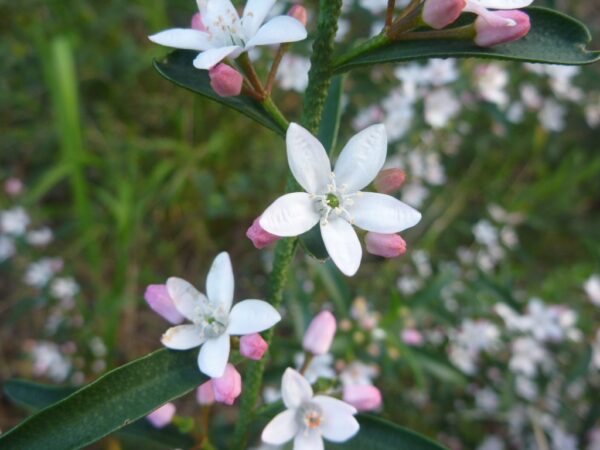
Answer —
555 38
177 67
313 244
115 400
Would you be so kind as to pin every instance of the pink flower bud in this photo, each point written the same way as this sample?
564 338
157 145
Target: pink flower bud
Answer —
253 346
386 245
320 333
259 236
228 387
158 299
197 23
13 186
389 180
162 416
299 13
412 336
441 13
494 32
363 397
225 80
205 394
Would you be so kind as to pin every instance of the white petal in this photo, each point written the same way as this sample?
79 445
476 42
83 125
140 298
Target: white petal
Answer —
290 215
342 244
185 38
254 15
214 355
278 30
308 440
308 160
334 405
186 298
251 316
218 13
211 57
182 337
219 282
281 428
295 389
382 213
361 159
338 426
503 4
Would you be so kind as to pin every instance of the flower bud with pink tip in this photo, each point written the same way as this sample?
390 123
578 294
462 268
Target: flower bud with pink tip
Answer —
389 180
228 387
225 80
511 26
259 236
299 13
363 397
162 416
160 301
319 335
205 394
386 245
197 23
439 14
253 346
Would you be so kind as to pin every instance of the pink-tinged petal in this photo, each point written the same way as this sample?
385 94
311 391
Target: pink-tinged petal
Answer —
299 13
320 333
361 159
278 30
282 428
363 397
382 213
503 4
490 33
186 297
260 237
251 316
295 389
211 57
158 298
440 13
254 15
386 245
308 440
183 337
225 80
389 180
162 416
307 159
342 244
290 215
197 23
213 356
205 394
220 283
184 38
227 387
253 346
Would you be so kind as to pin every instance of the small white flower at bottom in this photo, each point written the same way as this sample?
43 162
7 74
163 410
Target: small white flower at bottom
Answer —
309 418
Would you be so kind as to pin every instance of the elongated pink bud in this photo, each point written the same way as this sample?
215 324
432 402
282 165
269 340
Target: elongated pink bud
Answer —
412 336
225 80
253 346
205 394
197 23
162 416
299 13
228 387
320 333
495 32
386 245
389 180
259 236
161 303
441 13
363 397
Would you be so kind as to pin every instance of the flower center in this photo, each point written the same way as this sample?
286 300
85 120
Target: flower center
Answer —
336 200
213 321
310 415
332 200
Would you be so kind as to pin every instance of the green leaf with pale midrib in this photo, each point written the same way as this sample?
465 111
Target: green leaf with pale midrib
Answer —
177 67
116 399
554 38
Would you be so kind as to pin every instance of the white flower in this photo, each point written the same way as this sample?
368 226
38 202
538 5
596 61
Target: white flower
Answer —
213 319
592 289
441 106
293 72
309 418
333 198
14 221
7 247
40 238
228 35
64 287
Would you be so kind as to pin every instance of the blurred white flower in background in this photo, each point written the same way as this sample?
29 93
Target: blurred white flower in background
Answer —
39 273
441 106
592 288
14 221
491 81
293 72
40 237
7 247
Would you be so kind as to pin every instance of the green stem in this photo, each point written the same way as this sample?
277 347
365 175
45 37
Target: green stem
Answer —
467 32
275 113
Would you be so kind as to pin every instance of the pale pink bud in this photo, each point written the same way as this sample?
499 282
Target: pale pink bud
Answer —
225 80
299 13
205 394
259 236
386 245
13 186
495 32
162 416
253 346
228 387
197 23
363 397
160 301
320 333
411 336
441 13
389 180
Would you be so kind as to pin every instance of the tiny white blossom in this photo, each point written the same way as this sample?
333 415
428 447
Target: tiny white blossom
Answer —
7 247
64 287
592 289
14 221
40 238
293 72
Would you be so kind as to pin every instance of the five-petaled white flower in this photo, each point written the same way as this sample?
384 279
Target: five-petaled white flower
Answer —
213 319
309 419
228 35
334 198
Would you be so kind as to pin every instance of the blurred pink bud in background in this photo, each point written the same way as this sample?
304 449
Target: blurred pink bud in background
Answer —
363 397
205 394
389 180
386 245
162 416
320 333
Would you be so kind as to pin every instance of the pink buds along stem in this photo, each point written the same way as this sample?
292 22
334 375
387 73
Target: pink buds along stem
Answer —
162 416
320 333
439 14
363 397
197 23
389 180
228 387
225 80
253 346
205 394
161 303
386 245
492 32
259 236
299 13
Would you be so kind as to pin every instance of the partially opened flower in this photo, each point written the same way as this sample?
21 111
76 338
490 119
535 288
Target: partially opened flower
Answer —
213 319
308 419
227 35
334 198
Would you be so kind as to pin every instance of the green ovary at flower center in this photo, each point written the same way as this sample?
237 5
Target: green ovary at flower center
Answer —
332 201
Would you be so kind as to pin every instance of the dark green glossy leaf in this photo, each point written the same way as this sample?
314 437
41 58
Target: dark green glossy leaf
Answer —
313 244
115 400
177 67
555 38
